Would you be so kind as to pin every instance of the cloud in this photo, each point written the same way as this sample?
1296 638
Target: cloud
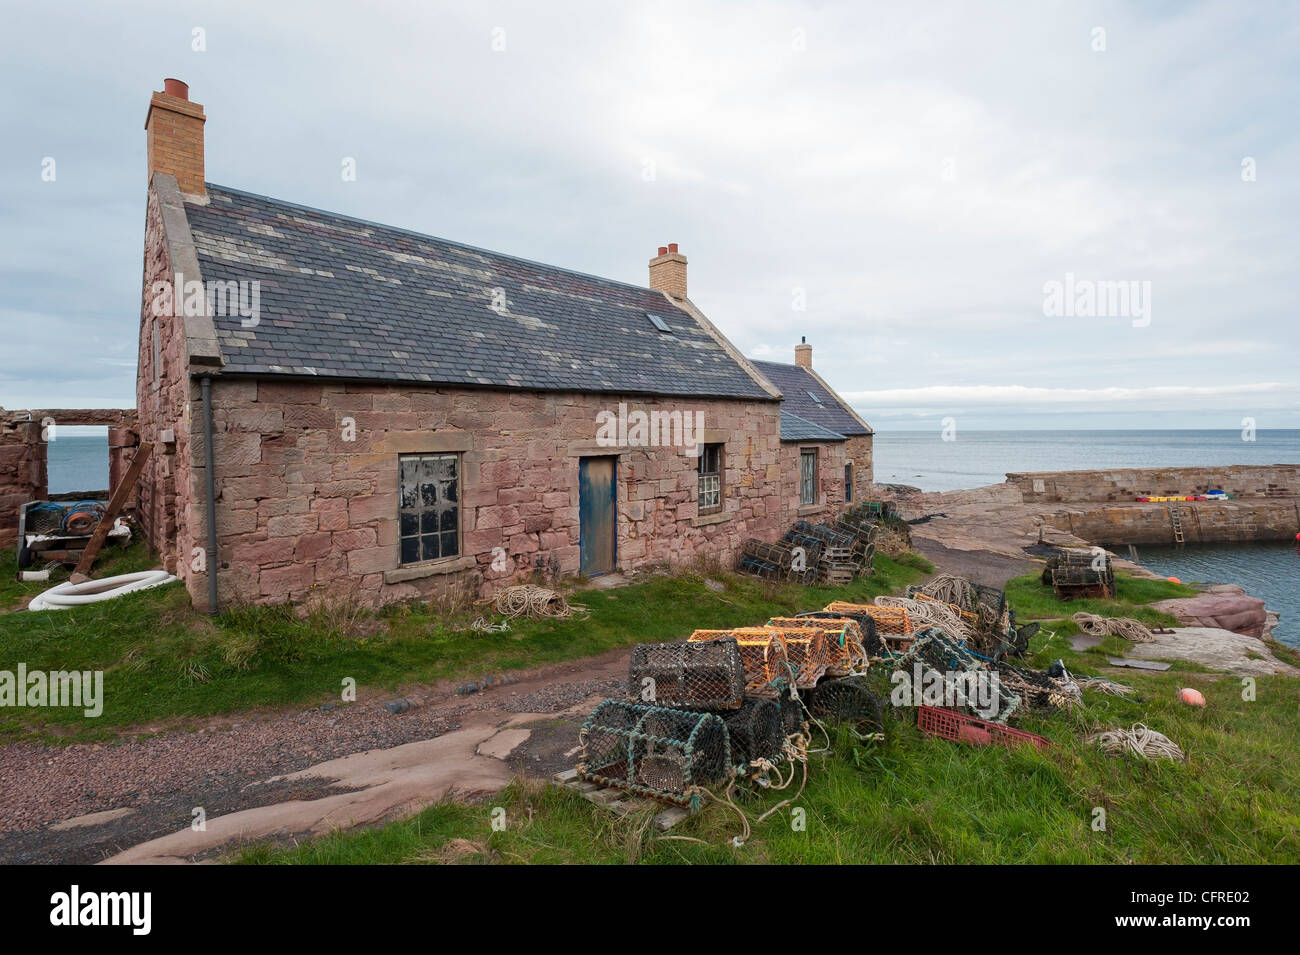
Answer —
916 172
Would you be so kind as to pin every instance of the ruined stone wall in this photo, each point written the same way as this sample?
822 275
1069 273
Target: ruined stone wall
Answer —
1124 484
302 509
24 455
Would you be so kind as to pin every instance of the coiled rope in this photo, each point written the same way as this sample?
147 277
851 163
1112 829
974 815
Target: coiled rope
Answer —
1139 740
1125 627
931 613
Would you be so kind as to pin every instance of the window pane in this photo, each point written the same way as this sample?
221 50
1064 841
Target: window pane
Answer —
428 509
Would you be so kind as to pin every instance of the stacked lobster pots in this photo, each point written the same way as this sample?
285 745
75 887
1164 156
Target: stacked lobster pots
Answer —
729 704
834 551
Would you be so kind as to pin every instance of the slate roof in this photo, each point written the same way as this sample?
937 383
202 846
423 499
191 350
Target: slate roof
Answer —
795 383
342 297
795 428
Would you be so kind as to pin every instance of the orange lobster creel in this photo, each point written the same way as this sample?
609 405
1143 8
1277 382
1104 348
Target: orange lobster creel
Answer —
890 621
843 639
808 652
762 653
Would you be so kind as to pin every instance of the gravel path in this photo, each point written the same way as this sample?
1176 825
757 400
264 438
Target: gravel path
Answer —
222 767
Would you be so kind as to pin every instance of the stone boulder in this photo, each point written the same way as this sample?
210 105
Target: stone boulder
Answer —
1237 612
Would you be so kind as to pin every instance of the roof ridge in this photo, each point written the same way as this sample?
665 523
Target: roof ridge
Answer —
427 235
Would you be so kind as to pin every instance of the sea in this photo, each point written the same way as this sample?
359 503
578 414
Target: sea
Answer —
923 459
975 458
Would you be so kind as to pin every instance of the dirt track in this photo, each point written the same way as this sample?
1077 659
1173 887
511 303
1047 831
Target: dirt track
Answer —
290 772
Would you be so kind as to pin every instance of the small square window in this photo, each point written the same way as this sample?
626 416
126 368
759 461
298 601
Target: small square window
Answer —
428 515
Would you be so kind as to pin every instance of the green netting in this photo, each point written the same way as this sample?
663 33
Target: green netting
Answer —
654 751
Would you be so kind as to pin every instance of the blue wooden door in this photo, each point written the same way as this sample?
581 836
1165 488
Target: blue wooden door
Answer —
597 497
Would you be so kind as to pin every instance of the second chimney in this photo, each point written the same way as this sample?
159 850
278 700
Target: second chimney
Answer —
174 128
803 353
668 271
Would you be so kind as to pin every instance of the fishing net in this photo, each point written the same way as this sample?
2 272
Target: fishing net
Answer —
762 654
706 675
964 680
654 751
1038 690
843 641
806 649
848 700
756 731
871 642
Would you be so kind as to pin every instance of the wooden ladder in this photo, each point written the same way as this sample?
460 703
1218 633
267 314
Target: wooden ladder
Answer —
1177 519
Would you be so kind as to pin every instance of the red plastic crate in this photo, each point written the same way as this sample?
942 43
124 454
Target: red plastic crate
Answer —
949 724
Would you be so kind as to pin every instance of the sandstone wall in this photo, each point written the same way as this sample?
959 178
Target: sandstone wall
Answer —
858 449
307 478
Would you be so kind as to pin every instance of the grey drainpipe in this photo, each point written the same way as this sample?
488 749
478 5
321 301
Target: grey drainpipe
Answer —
206 385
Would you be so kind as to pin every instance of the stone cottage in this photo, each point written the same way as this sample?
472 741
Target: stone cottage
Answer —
392 414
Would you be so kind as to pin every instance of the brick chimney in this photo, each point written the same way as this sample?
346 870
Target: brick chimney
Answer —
668 271
174 127
803 353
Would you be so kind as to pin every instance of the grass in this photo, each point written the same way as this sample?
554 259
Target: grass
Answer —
916 799
165 665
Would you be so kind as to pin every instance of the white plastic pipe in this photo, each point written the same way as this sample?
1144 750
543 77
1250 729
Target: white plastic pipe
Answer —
66 595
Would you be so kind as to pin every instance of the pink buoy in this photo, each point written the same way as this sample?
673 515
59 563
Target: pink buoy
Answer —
1191 697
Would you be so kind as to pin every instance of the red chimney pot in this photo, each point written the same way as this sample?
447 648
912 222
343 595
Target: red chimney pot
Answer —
672 246
663 250
177 88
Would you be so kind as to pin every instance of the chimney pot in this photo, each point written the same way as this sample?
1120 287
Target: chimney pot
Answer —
177 88
668 271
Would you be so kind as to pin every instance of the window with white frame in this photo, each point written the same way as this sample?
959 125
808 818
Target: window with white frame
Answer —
710 483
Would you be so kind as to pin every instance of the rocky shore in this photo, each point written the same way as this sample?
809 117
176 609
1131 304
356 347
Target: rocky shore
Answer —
992 533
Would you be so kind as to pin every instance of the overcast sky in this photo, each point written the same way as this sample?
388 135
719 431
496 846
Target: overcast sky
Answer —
913 175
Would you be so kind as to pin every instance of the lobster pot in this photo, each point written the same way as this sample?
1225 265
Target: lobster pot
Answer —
843 641
776 561
654 751
605 734
892 621
706 674
940 653
791 709
761 653
756 731
806 649
871 642
848 700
